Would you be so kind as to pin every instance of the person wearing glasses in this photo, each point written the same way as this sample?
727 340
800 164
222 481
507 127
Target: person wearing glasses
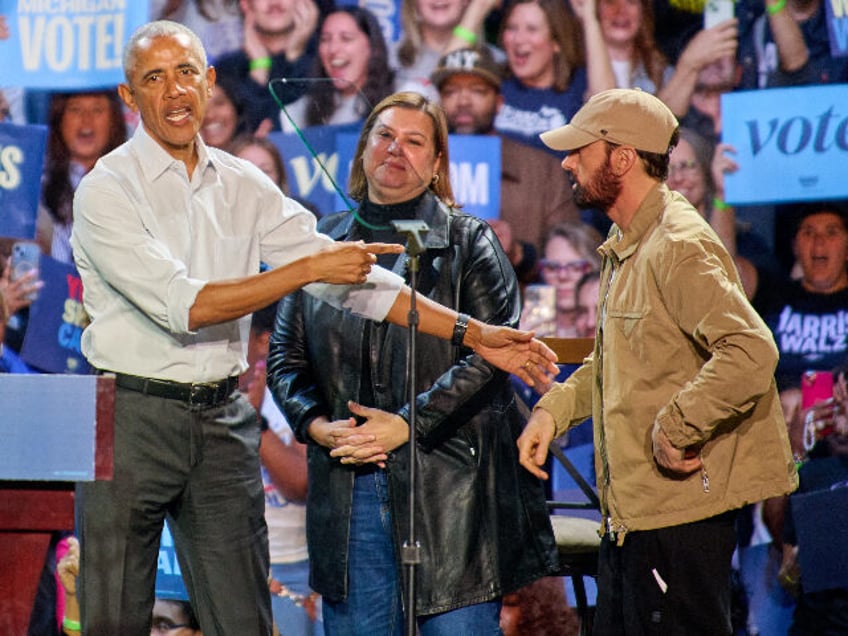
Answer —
174 618
570 252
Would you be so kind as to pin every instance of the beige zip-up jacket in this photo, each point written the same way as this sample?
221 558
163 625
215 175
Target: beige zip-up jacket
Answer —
679 344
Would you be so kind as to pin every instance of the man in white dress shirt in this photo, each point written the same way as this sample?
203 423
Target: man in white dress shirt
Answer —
168 236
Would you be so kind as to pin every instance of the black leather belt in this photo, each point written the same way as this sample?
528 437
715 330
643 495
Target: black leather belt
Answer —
194 394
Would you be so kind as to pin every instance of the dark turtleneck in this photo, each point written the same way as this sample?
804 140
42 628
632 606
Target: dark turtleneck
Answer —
381 217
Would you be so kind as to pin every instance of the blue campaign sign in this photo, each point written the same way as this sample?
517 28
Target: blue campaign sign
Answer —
346 145
67 45
56 321
312 164
791 144
475 171
169 577
21 162
836 12
387 13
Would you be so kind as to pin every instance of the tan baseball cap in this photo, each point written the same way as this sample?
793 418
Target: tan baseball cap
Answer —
625 116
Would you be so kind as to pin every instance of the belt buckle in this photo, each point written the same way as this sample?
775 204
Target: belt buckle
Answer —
196 394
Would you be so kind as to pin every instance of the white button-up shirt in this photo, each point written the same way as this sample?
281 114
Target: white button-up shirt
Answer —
147 238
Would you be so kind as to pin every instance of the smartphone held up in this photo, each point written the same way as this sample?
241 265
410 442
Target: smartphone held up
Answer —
25 259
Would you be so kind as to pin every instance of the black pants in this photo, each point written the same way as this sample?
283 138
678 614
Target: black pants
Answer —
670 581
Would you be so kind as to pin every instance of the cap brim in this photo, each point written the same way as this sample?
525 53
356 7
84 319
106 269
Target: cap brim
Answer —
441 75
567 138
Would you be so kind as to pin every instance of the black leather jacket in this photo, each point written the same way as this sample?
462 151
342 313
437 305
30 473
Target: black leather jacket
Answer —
481 520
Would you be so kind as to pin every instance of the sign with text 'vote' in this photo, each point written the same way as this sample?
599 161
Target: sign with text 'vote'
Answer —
67 44
475 168
791 144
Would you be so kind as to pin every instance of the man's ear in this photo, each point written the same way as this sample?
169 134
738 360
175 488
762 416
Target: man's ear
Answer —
622 160
126 94
211 75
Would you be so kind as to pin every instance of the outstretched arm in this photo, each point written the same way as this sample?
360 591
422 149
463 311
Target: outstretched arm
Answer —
513 351
343 263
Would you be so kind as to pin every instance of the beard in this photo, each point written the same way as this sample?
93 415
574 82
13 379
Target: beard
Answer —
480 124
600 192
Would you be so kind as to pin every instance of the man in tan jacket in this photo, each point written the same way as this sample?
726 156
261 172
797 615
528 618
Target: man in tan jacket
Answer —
687 422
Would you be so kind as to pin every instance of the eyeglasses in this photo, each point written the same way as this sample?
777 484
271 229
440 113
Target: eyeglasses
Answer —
683 167
569 268
164 626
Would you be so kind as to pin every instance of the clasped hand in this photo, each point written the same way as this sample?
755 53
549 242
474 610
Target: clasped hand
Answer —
369 443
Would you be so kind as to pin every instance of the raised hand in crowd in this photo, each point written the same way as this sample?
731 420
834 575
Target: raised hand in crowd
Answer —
706 47
471 22
18 293
68 569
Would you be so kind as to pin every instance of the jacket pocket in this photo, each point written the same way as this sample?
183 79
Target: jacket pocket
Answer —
625 321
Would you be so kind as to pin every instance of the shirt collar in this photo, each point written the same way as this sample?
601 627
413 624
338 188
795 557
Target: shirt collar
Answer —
156 160
622 244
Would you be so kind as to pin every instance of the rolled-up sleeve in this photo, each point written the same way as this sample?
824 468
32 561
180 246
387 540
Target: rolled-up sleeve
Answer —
110 238
293 234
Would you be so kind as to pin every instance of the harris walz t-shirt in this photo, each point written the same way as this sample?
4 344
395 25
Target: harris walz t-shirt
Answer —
810 329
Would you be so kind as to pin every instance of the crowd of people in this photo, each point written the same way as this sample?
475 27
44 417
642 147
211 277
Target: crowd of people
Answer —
174 206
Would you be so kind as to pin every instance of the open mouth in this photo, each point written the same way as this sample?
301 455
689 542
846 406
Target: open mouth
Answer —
520 56
178 115
85 135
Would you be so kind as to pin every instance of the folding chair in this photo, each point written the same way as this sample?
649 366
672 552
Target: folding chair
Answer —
576 536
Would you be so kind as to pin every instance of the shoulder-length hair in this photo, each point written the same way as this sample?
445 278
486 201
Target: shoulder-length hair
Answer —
380 76
645 48
57 191
566 32
441 186
703 150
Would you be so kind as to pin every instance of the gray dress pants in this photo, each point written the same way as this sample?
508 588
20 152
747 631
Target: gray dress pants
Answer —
200 467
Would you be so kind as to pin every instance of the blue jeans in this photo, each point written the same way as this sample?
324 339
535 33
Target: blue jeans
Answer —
374 605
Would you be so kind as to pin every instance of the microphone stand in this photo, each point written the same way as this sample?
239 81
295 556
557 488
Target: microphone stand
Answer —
411 550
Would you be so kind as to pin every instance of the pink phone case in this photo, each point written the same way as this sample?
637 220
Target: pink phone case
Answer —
816 386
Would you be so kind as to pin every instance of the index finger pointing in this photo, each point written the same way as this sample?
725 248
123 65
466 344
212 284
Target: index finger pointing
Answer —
383 248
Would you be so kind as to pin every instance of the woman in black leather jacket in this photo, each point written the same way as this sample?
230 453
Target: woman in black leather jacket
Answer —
480 520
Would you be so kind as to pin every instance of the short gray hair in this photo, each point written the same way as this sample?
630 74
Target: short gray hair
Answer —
158 29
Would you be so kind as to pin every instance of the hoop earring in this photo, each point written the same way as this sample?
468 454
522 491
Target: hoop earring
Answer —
435 179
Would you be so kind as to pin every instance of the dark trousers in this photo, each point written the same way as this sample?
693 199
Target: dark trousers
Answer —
671 581
200 467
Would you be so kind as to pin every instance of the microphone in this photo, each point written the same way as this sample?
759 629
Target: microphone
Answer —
414 231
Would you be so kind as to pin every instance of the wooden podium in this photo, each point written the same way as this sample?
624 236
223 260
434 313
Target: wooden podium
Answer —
56 430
